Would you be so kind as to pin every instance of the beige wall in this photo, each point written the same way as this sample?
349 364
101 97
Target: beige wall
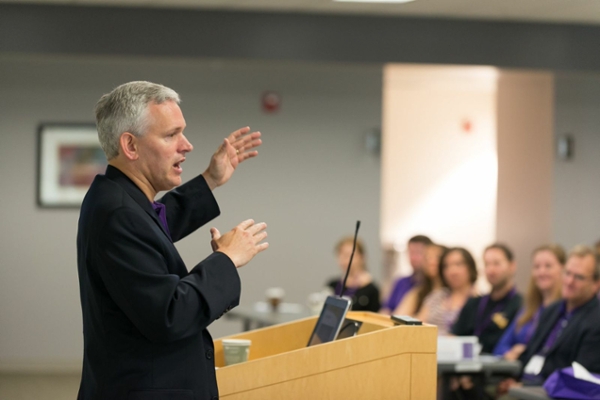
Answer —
525 159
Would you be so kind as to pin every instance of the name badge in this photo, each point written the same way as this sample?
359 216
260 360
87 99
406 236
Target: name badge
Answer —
535 365
500 320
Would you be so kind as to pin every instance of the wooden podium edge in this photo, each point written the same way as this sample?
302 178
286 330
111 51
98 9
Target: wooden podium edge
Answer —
382 340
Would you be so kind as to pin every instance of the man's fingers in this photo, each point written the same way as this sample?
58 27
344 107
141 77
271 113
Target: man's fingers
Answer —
226 145
243 145
245 156
215 234
260 237
248 145
246 224
236 134
242 243
262 247
246 142
248 139
254 229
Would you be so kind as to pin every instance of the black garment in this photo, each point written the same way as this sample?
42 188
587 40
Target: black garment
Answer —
365 298
579 341
144 314
492 320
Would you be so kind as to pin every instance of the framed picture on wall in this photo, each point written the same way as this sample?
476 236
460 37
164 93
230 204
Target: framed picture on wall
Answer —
69 157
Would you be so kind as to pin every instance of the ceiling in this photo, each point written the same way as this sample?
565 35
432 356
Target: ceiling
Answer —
555 11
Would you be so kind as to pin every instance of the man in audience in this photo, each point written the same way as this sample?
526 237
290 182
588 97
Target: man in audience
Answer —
569 330
416 253
488 316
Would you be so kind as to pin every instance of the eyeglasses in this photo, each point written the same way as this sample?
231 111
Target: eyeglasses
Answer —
577 277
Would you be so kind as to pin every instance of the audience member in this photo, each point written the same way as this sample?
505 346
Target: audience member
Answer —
544 289
359 286
416 254
597 248
458 274
430 280
488 316
569 330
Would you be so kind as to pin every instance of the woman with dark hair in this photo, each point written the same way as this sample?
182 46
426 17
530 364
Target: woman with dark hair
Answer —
544 288
488 316
360 286
413 301
458 274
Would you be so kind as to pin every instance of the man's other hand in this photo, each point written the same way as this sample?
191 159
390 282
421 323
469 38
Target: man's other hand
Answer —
242 243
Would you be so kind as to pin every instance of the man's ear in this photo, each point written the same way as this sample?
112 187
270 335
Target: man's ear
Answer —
128 143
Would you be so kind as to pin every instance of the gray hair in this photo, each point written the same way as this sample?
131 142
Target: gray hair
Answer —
125 109
582 251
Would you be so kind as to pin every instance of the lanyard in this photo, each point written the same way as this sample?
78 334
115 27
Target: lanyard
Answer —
481 324
534 323
559 326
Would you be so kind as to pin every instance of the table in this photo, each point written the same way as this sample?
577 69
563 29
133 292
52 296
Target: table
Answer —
260 314
481 370
486 364
528 393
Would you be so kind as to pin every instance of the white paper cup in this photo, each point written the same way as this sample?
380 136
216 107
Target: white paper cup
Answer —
236 350
274 297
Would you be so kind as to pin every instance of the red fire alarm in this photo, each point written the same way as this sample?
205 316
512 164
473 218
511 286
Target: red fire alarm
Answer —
271 102
467 125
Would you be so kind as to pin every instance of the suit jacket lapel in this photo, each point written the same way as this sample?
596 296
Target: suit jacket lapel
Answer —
546 327
136 194
574 321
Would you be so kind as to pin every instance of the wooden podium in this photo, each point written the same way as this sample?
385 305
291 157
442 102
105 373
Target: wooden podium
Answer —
383 361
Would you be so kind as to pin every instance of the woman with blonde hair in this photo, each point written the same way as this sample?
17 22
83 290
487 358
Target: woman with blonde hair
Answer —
544 289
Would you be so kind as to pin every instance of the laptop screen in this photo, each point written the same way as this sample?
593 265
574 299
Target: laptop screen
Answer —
330 321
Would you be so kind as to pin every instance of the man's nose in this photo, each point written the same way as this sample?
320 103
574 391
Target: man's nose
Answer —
186 146
568 279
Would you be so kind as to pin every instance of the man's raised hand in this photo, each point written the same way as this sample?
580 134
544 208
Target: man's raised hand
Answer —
236 148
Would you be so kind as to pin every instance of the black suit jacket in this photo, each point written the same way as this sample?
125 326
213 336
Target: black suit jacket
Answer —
144 314
468 319
579 341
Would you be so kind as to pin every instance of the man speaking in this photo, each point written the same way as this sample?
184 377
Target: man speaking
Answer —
144 315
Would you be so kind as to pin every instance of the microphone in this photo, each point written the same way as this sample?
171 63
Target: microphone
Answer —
351 257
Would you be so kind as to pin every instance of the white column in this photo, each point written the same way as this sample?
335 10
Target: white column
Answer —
467 158
439 165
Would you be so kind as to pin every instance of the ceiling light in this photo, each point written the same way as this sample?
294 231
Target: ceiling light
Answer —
373 1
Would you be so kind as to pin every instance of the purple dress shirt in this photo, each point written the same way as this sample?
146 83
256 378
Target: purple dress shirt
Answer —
161 211
401 287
